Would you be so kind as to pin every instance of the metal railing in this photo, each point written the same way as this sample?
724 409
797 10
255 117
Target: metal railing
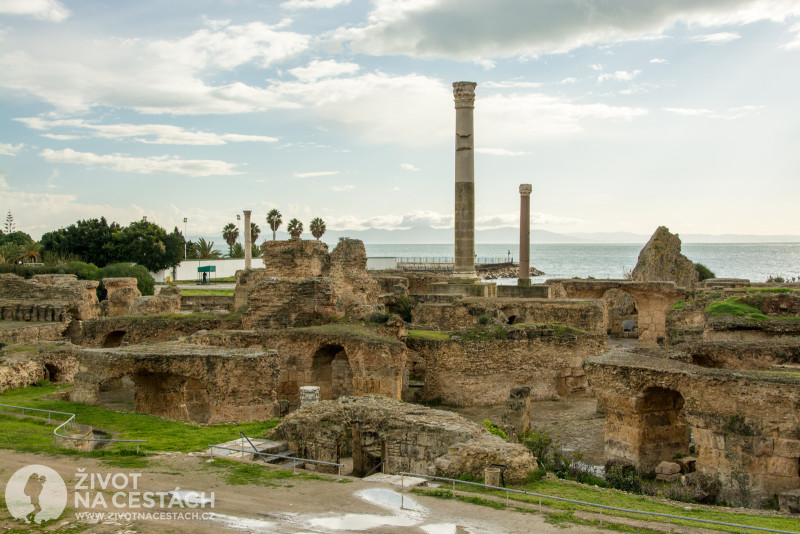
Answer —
669 517
71 422
420 263
273 455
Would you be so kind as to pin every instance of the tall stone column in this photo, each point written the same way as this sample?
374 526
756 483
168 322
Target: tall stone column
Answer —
525 234
248 238
464 95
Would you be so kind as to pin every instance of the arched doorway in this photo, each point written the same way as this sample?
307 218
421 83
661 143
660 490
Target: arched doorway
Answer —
331 371
114 339
662 432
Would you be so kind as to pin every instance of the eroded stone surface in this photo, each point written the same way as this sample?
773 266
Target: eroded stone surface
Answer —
661 261
121 296
51 297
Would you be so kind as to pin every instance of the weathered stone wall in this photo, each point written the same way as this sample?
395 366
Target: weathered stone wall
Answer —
121 296
274 303
661 261
779 355
295 259
157 305
469 372
145 329
452 314
185 381
50 297
30 363
33 332
744 423
203 303
408 437
354 289
311 357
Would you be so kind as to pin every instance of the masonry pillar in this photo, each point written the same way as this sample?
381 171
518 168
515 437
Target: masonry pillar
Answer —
464 95
248 238
525 234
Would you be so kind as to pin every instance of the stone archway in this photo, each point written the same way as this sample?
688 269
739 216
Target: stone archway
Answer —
331 371
660 432
114 339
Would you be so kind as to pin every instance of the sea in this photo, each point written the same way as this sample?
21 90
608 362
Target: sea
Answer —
753 261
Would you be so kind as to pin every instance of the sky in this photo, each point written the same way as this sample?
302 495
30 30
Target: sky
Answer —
623 114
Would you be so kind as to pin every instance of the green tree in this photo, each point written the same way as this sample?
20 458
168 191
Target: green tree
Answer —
30 252
255 231
237 251
274 219
230 234
91 240
17 238
295 228
317 227
147 244
204 250
9 225
255 251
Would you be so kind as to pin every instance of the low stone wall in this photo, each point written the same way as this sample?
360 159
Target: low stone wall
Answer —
744 423
29 363
108 331
33 332
341 359
185 381
468 372
47 297
452 314
207 303
408 437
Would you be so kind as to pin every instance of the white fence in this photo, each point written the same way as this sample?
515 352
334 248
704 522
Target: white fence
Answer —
187 269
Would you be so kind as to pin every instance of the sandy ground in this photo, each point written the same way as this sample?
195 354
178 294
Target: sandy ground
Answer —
294 505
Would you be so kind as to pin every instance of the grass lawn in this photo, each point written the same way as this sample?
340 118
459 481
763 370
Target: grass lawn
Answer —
29 435
207 292
618 499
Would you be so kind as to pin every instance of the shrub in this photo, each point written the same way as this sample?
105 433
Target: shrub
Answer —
84 271
144 279
378 317
703 272
404 310
539 442
625 478
483 320
494 429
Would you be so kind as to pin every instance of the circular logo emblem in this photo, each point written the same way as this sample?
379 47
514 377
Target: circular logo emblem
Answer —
36 493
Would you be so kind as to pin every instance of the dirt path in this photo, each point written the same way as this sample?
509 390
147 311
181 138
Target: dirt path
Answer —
291 505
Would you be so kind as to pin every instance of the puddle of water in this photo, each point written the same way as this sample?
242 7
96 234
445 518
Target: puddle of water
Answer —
192 497
243 523
439 528
386 498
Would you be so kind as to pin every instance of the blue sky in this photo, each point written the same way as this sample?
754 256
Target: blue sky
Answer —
624 115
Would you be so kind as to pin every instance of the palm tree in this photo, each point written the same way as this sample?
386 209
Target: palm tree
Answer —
230 234
237 251
29 252
317 227
255 231
205 250
295 228
255 251
274 219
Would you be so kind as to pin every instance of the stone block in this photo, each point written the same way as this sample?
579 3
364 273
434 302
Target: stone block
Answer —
788 448
669 478
668 468
789 501
687 464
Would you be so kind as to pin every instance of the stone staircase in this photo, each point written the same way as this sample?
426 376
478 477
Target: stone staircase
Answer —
245 451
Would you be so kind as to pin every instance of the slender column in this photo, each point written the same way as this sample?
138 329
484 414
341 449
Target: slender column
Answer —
525 234
464 95
248 238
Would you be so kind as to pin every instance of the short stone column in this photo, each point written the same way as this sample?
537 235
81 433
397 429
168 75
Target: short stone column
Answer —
464 96
309 395
248 240
525 234
491 476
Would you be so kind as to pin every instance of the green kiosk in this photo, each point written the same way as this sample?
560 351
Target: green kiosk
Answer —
204 273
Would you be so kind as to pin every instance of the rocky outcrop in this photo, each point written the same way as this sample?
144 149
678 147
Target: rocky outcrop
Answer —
47 297
121 296
295 259
356 292
408 437
661 261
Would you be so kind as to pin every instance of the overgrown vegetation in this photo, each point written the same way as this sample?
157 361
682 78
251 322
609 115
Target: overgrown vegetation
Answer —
734 307
433 335
404 309
703 272
493 429
207 292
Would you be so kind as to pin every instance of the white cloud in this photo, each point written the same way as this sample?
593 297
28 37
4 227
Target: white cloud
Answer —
501 152
409 167
342 188
486 64
163 76
658 61
314 4
569 79
62 137
716 38
314 174
7 149
50 10
139 165
158 134
795 43
620 76
512 85
432 219
596 67
728 114
323 69
689 112
457 29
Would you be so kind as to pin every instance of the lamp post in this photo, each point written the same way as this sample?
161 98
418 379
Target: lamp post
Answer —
184 237
238 218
